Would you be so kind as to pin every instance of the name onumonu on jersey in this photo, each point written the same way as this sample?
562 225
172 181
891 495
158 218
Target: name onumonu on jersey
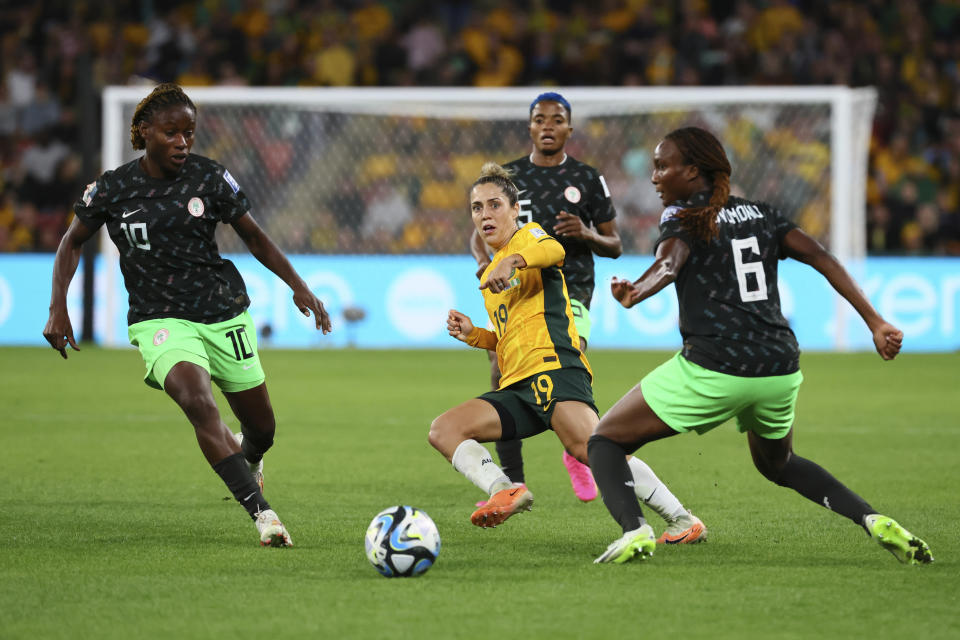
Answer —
534 330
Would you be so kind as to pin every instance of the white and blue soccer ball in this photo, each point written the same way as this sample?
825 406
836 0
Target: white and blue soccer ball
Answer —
402 541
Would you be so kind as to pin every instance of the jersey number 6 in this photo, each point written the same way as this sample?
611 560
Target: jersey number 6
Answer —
744 269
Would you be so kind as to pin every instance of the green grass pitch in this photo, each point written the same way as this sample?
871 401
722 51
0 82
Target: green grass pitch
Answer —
113 526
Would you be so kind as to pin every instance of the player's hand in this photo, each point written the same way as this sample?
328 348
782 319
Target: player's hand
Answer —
499 277
624 291
59 332
481 267
307 302
570 226
458 325
888 340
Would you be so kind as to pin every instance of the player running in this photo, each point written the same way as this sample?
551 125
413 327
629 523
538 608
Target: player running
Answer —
740 358
188 305
546 379
570 200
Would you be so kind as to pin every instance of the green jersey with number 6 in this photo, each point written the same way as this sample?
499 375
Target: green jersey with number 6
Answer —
730 316
164 231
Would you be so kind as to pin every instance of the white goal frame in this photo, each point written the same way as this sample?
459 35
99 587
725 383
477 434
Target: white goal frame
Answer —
851 117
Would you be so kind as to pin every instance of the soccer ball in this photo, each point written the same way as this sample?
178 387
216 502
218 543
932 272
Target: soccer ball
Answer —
402 541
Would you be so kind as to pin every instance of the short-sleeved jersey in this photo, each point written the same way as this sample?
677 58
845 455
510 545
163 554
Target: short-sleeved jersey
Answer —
164 231
576 188
532 319
730 316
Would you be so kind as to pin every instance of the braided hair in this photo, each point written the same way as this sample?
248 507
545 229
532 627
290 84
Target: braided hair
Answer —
163 95
492 173
701 149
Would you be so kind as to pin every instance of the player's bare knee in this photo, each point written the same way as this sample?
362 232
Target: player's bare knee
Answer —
439 432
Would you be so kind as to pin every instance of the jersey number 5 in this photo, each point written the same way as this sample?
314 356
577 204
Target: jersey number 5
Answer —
745 269
526 213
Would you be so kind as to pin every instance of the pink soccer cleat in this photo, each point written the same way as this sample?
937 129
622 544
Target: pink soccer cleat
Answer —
580 477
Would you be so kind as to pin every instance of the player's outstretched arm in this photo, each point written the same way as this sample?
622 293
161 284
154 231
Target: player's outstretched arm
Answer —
58 330
500 276
672 254
887 339
270 256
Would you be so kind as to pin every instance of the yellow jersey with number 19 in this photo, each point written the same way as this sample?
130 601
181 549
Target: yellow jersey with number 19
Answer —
534 330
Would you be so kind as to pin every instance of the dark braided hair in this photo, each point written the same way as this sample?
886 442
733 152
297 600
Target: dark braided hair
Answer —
701 149
163 95
492 173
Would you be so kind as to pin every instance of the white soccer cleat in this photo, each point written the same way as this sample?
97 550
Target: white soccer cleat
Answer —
272 531
255 469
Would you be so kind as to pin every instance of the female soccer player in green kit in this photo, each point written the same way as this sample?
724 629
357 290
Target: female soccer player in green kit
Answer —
187 305
740 358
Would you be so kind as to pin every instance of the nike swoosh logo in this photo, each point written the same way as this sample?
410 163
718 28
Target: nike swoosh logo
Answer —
248 366
248 497
514 492
677 540
546 407
130 213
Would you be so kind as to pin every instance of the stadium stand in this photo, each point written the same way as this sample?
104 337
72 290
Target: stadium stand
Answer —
907 49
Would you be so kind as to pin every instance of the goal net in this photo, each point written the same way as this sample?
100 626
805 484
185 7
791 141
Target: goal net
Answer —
374 171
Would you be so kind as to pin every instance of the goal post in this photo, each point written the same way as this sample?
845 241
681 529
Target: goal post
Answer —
335 171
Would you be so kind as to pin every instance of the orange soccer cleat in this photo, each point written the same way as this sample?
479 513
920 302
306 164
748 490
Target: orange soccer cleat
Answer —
502 505
687 529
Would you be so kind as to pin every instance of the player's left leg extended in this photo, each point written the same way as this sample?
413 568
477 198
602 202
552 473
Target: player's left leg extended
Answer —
777 462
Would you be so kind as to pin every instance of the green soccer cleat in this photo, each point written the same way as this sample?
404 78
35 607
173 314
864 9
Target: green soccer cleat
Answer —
906 547
637 543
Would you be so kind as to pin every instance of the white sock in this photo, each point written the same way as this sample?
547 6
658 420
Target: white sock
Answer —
474 461
652 492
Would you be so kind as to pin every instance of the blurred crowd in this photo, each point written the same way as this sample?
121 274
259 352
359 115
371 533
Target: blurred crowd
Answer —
907 49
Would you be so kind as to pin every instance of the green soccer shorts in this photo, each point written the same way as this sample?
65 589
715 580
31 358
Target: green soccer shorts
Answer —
227 350
526 406
689 397
581 319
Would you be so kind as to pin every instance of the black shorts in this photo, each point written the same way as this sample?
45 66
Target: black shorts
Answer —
526 407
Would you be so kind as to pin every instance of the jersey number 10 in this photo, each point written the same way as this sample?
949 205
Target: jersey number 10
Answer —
744 269
136 233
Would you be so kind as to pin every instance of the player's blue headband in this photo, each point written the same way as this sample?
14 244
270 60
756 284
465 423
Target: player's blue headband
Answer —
552 96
